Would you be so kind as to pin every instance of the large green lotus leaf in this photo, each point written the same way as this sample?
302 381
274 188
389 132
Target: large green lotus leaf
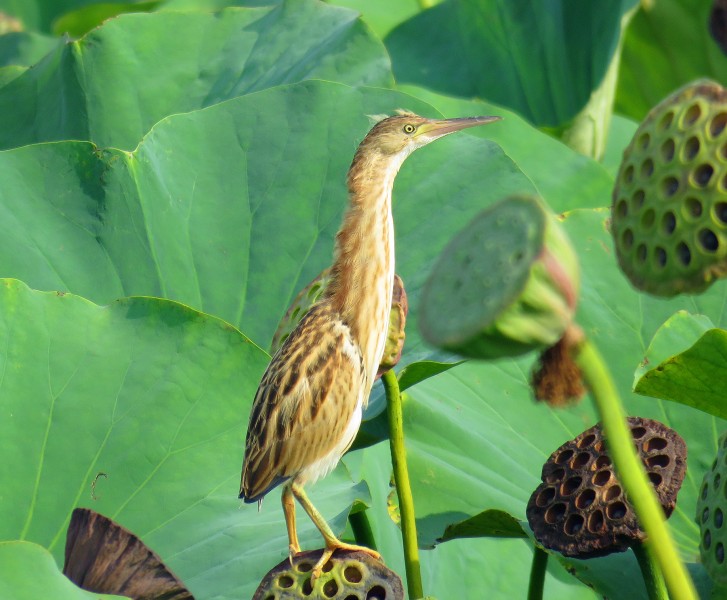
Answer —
138 410
24 49
19 559
81 20
695 377
383 15
541 59
667 44
180 62
233 209
39 15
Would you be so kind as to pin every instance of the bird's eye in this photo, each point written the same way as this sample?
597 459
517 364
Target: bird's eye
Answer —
409 128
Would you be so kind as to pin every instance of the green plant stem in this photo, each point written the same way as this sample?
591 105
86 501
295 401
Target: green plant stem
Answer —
631 472
361 527
654 580
537 574
403 487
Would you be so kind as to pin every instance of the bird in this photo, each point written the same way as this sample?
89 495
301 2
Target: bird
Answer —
310 400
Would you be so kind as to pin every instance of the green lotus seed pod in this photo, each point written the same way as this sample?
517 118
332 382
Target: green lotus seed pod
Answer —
712 516
669 212
347 574
506 284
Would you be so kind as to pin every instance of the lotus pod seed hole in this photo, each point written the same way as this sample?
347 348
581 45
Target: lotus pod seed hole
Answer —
616 511
641 253
718 518
717 125
586 441
668 222
717 480
719 552
285 581
330 588
670 186
602 461
627 239
655 479
720 212
304 567
270 597
714 464
307 588
660 460
352 574
601 478
638 432
684 254
725 489
638 200
723 183
628 175
545 497
655 443
351 597
644 140
666 120
596 522
705 491
694 207
707 539
708 240
585 498
327 567
692 115
691 148
555 513
564 457
376 593
622 208
702 174
580 461
573 524
570 485
555 476
723 151
647 168
648 218
660 256
667 150
612 493
705 514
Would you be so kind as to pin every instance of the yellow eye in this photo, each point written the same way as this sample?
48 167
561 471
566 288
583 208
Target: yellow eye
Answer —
409 128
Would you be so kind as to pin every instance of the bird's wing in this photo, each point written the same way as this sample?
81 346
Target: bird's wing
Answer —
305 401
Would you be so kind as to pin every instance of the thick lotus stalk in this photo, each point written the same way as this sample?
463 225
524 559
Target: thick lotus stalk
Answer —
580 508
506 284
669 212
350 575
311 293
711 513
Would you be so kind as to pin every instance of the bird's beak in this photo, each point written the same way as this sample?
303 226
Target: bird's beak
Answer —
437 128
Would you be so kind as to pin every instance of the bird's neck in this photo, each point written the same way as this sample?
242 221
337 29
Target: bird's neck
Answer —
363 268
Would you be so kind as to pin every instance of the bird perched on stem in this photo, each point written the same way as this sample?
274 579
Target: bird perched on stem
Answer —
308 408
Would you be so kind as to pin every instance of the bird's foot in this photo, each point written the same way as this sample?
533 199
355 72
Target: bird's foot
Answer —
293 549
331 548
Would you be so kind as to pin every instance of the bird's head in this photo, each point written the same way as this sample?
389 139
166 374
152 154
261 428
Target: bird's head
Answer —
405 132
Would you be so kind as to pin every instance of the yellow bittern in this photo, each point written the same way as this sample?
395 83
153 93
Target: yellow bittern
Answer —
308 407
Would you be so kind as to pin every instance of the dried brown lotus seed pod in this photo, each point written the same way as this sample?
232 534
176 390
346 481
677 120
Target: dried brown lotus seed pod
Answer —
580 508
349 575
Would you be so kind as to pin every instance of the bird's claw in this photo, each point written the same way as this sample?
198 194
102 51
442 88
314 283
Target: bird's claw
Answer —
293 549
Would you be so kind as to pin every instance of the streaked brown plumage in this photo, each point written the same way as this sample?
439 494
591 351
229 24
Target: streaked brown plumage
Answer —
308 407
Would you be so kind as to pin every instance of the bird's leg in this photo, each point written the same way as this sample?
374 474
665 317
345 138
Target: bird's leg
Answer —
289 512
332 542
